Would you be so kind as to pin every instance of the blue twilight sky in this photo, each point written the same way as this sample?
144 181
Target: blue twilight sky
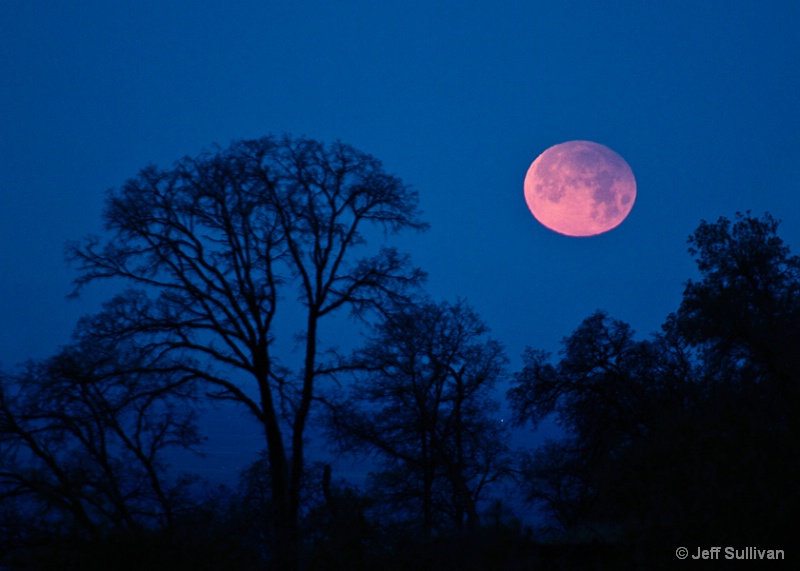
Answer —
456 97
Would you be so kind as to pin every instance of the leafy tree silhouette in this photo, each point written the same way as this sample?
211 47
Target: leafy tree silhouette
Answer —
743 317
686 436
745 311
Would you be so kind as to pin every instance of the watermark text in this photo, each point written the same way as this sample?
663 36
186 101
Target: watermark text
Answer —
719 552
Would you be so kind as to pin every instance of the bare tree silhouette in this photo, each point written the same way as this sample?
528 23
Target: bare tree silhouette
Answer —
423 409
85 438
218 243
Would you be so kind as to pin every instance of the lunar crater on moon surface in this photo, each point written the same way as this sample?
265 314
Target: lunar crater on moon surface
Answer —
580 188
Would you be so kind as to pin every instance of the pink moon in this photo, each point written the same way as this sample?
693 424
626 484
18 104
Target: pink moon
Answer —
580 188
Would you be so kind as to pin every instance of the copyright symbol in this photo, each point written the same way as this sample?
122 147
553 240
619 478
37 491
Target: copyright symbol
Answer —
682 553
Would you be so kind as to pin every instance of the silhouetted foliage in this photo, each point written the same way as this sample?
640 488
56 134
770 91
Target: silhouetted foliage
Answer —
688 436
610 393
744 313
217 243
423 408
743 317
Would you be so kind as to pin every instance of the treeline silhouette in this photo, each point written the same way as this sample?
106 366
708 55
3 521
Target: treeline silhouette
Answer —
686 438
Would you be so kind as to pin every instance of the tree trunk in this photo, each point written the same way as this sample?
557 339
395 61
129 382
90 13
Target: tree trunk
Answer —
282 536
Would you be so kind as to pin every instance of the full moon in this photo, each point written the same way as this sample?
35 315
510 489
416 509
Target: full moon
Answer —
580 188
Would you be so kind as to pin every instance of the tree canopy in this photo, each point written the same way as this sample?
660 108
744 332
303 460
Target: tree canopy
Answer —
423 407
213 246
687 436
